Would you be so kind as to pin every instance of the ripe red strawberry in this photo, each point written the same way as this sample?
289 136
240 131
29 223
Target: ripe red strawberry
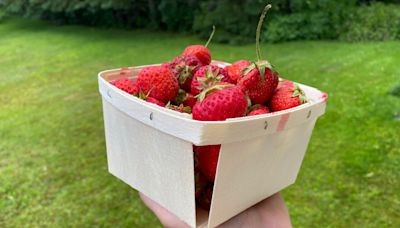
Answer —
204 200
285 83
220 102
146 97
258 110
207 160
236 70
201 52
207 76
172 64
260 82
187 99
190 100
200 183
187 70
184 67
260 79
126 85
155 101
287 97
158 82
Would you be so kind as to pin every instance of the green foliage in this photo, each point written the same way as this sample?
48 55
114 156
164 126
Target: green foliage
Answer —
53 166
288 20
311 26
375 22
396 90
236 20
110 13
178 15
2 14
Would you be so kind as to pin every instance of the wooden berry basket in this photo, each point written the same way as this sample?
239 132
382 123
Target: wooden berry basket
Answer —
150 148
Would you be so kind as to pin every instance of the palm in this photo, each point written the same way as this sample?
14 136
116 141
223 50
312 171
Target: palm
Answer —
270 212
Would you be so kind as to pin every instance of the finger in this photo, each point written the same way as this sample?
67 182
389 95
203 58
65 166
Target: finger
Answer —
274 211
166 218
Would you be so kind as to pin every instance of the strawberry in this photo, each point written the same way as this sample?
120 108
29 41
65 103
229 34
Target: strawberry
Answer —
258 110
207 160
126 85
220 102
190 100
236 70
184 67
260 79
259 82
200 183
204 200
146 97
201 52
155 101
287 97
158 82
172 64
187 99
285 83
207 76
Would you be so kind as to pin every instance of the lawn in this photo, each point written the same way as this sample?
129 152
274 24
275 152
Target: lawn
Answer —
53 169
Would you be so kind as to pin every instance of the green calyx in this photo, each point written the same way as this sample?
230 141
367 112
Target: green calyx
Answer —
249 68
212 89
249 103
180 97
261 66
298 92
184 73
143 95
180 108
210 78
251 108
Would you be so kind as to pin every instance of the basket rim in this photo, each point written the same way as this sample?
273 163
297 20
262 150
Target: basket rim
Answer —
166 111
182 125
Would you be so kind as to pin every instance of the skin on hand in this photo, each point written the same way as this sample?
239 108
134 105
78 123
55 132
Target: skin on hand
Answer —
271 212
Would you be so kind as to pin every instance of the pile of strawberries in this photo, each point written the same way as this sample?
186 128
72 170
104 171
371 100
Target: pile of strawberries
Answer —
190 84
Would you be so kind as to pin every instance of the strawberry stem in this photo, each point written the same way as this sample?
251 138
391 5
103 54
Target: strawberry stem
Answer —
211 36
259 26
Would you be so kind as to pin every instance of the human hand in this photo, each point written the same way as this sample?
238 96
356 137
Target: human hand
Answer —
270 212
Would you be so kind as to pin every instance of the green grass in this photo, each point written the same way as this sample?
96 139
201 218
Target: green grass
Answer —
53 170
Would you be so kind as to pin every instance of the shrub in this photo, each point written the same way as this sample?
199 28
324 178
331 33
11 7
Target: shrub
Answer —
177 15
396 90
236 20
375 22
290 20
2 14
115 13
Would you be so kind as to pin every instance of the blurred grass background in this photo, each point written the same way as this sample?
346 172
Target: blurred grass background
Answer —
53 170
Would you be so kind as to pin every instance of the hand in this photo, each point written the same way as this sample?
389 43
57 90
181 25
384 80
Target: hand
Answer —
270 212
